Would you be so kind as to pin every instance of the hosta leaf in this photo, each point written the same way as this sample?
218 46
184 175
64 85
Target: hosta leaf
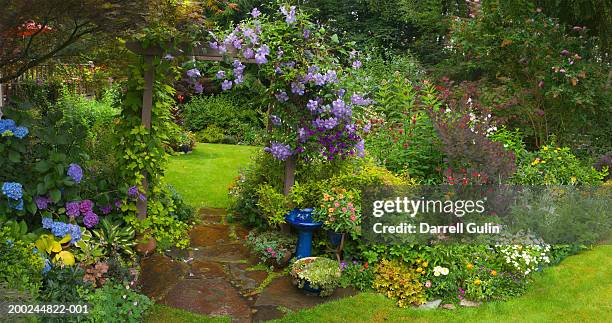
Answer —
66 257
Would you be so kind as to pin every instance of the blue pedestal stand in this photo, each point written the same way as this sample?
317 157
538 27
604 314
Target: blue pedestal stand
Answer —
301 219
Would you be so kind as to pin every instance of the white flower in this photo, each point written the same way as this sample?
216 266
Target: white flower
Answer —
124 296
436 273
135 303
444 271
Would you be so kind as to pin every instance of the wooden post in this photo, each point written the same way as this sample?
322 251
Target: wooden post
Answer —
290 165
147 108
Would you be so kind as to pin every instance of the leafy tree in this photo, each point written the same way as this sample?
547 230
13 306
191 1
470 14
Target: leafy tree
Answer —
36 31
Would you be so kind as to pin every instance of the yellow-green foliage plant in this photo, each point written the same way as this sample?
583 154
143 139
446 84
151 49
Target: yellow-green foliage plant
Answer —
398 281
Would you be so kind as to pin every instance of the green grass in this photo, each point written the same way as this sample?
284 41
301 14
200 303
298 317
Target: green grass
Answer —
202 176
578 290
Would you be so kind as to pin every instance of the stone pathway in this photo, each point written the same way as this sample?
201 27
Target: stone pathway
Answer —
215 276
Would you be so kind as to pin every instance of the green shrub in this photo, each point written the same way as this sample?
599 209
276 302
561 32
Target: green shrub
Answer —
183 211
20 266
116 303
556 166
272 203
400 282
357 275
180 140
403 138
212 134
312 180
236 118
64 285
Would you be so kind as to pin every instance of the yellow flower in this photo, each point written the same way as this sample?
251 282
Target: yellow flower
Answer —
330 210
419 270
543 162
470 266
340 196
535 162
493 273
573 179
425 264
418 261
545 148
477 282
331 198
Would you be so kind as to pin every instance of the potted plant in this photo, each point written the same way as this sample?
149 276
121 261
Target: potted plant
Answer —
272 248
316 275
341 215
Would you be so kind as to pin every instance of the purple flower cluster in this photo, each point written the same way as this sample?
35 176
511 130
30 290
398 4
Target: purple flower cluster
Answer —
282 96
61 229
75 172
73 209
261 53
279 150
226 85
297 88
107 209
90 220
276 120
238 72
357 99
289 14
135 192
86 206
42 202
193 73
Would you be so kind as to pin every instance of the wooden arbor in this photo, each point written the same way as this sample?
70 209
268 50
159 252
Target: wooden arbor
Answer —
203 53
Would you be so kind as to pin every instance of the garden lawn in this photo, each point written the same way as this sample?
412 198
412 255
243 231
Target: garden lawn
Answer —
577 290
202 176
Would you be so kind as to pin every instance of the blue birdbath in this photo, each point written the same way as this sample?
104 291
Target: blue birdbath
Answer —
301 219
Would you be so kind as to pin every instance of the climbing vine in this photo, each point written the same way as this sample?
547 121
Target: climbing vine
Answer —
144 159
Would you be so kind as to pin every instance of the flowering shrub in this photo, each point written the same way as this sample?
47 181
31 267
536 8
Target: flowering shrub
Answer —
524 259
319 273
14 194
340 212
310 114
272 248
356 274
555 165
